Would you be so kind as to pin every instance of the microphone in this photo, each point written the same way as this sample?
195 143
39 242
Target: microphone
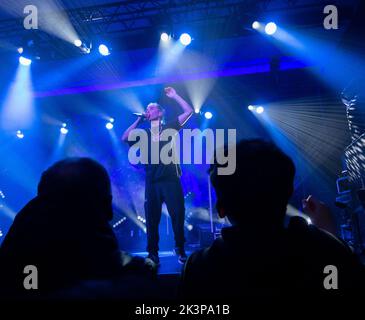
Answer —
138 114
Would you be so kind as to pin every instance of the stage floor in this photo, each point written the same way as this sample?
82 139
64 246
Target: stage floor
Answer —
169 263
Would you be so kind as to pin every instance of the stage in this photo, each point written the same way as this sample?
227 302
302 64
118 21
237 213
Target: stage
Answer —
169 264
96 84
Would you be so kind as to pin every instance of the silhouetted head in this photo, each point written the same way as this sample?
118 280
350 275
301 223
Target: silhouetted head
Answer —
259 190
154 112
81 183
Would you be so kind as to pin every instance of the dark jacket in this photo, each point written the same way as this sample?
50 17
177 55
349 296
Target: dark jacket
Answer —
71 245
284 263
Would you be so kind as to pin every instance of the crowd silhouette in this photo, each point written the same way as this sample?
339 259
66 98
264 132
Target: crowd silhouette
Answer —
65 232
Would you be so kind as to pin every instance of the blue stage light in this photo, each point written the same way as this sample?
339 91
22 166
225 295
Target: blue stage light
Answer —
197 110
24 61
64 130
84 47
185 39
208 115
164 37
109 126
20 134
78 43
256 25
251 107
260 110
270 28
104 50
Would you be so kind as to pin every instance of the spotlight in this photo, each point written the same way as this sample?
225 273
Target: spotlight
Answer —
190 227
208 115
104 50
111 120
251 107
84 48
185 39
256 25
20 134
109 125
164 37
29 49
64 130
260 110
197 110
270 28
24 61
78 43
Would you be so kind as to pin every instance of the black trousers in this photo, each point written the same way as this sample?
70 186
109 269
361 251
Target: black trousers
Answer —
170 193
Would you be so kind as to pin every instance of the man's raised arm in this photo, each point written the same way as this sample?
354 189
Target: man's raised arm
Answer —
188 110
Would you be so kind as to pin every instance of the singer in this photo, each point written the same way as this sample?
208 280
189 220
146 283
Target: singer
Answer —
163 180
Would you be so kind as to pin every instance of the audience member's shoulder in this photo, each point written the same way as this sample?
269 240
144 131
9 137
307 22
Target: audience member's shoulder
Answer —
196 257
28 211
315 237
135 280
206 257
